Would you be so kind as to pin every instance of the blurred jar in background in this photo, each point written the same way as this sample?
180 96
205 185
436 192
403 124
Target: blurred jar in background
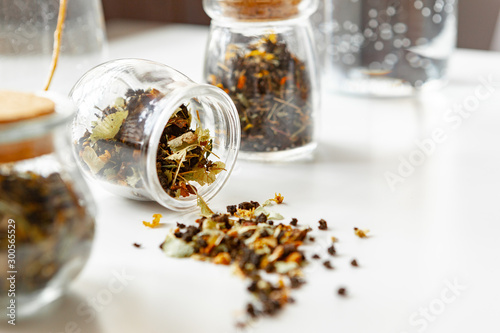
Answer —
27 38
389 47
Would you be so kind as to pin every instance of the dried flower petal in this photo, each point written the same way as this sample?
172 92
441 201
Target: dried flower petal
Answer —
155 223
361 233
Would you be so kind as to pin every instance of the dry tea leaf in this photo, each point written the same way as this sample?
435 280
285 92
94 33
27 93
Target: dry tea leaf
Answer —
93 161
109 126
205 210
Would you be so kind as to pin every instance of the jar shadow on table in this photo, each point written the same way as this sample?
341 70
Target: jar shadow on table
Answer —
59 316
376 130
338 154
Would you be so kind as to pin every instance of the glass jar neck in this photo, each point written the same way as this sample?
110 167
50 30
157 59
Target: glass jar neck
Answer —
215 112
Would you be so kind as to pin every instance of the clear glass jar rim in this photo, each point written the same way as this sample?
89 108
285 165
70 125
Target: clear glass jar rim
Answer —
184 94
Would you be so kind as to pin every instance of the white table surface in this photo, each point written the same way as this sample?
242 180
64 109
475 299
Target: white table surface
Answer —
439 227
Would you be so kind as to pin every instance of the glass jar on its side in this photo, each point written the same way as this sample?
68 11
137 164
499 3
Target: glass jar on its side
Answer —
261 54
46 214
145 131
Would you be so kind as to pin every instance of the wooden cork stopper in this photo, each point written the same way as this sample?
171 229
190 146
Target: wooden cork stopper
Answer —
17 107
260 9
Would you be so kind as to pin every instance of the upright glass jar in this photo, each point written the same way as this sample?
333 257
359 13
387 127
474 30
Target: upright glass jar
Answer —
145 131
261 54
46 214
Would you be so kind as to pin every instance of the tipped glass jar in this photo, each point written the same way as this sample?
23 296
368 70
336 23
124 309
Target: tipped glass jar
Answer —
147 132
261 54
46 215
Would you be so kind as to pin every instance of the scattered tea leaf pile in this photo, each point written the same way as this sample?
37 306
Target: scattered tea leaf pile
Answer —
247 238
112 148
271 89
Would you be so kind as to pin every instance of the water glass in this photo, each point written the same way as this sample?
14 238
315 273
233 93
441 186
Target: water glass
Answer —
390 47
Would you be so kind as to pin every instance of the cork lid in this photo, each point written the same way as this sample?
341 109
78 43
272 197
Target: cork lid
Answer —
260 9
16 108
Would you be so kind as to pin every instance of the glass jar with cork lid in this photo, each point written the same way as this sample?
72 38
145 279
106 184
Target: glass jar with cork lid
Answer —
46 214
261 54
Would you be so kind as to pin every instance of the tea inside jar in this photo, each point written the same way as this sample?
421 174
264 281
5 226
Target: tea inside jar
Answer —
271 89
111 149
50 226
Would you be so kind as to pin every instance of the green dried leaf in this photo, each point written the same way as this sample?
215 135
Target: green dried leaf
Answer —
177 248
132 180
109 126
285 267
120 102
110 173
178 156
183 142
267 203
269 214
203 176
205 210
203 135
93 161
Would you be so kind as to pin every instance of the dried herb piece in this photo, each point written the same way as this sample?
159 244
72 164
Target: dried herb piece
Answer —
155 223
342 292
312 239
296 282
361 233
327 264
322 225
271 89
315 256
137 245
294 222
354 263
231 209
111 148
52 227
332 250
248 205
278 198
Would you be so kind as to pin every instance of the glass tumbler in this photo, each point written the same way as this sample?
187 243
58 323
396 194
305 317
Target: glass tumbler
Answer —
390 47
27 40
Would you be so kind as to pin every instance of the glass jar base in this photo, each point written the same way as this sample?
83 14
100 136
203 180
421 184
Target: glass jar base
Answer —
29 305
300 153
